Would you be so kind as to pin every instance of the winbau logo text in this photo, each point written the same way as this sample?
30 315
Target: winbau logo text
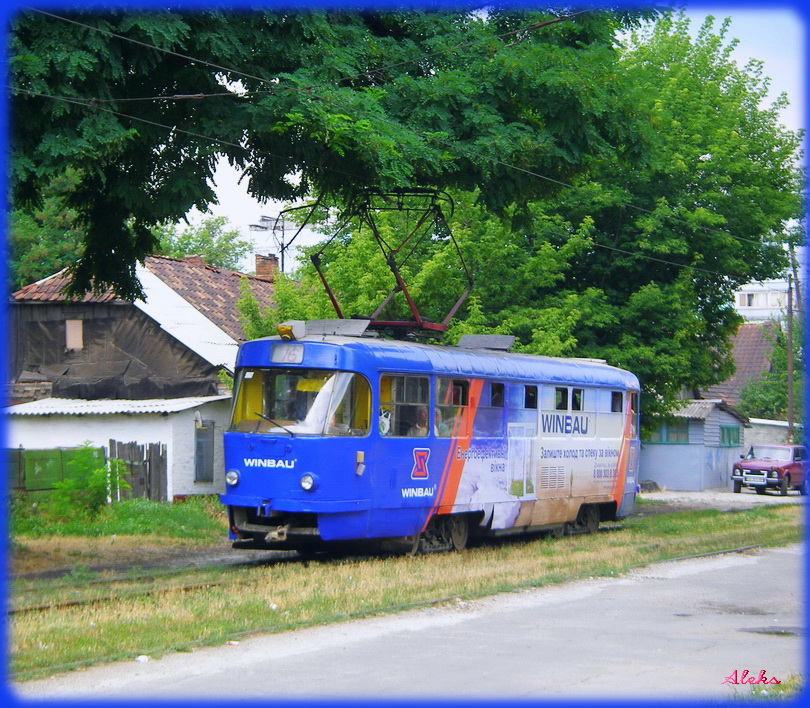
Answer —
258 462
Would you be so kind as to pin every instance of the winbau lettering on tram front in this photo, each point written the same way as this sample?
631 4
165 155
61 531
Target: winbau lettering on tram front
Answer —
258 462
567 424
418 492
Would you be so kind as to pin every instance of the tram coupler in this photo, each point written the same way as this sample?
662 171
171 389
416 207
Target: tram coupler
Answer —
278 534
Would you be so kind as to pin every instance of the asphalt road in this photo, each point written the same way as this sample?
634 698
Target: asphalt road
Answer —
674 630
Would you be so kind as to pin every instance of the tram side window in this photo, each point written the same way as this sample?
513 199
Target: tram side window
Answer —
452 400
577 399
489 417
615 401
530 397
404 406
561 399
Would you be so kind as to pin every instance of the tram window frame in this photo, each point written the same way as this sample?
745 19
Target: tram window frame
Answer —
560 398
616 402
452 414
530 399
402 404
489 418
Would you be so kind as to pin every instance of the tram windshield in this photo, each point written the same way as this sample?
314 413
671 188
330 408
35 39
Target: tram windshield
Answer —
282 401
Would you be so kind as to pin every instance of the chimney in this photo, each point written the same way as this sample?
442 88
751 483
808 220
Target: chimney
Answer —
194 260
266 266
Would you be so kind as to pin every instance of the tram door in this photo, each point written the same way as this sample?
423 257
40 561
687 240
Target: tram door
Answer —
521 432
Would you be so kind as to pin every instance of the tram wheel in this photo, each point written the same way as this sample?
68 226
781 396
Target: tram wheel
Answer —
589 518
458 528
414 545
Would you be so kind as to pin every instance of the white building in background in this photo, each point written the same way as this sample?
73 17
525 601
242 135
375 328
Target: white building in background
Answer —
761 302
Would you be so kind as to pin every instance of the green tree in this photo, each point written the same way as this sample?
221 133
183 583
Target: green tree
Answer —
767 396
211 239
47 240
144 104
635 263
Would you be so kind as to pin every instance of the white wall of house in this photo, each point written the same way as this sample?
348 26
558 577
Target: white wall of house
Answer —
175 430
694 466
768 431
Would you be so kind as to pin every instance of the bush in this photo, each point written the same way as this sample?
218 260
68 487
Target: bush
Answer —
89 485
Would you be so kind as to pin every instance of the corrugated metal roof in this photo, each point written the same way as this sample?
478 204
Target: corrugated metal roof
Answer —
701 409
77 406
697 409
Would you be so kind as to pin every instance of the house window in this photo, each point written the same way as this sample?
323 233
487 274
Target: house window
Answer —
729 436
74 340
673 433
204 452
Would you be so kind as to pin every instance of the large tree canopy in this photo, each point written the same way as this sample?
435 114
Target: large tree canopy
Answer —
307 103
635 262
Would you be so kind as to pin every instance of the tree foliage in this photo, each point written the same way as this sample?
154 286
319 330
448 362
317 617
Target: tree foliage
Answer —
211 238
44 241
635 262
144 104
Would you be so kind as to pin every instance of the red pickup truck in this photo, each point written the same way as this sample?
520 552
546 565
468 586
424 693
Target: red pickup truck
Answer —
772 466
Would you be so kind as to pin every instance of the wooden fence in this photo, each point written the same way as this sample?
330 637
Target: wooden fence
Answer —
39 470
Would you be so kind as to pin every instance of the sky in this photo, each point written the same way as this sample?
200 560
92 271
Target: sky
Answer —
775 35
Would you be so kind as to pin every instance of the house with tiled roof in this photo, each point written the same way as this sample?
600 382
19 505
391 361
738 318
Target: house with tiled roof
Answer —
128 376
751 349
172 344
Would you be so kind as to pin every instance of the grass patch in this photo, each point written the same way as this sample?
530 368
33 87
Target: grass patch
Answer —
228 602
195 518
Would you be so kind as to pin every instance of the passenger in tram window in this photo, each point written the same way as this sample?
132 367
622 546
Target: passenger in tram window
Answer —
443 428
420 428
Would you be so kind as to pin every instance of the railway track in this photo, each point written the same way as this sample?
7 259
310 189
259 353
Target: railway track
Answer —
153 583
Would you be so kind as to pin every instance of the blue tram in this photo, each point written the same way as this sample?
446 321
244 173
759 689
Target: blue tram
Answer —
416 446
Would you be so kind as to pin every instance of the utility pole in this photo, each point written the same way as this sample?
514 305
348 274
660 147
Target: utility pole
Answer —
790 358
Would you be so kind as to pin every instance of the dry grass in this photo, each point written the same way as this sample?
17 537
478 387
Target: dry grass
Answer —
295 594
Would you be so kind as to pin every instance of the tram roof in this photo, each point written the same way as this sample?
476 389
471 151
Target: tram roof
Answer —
416 357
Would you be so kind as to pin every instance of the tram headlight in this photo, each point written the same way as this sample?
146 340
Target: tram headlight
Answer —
231 478
308 482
